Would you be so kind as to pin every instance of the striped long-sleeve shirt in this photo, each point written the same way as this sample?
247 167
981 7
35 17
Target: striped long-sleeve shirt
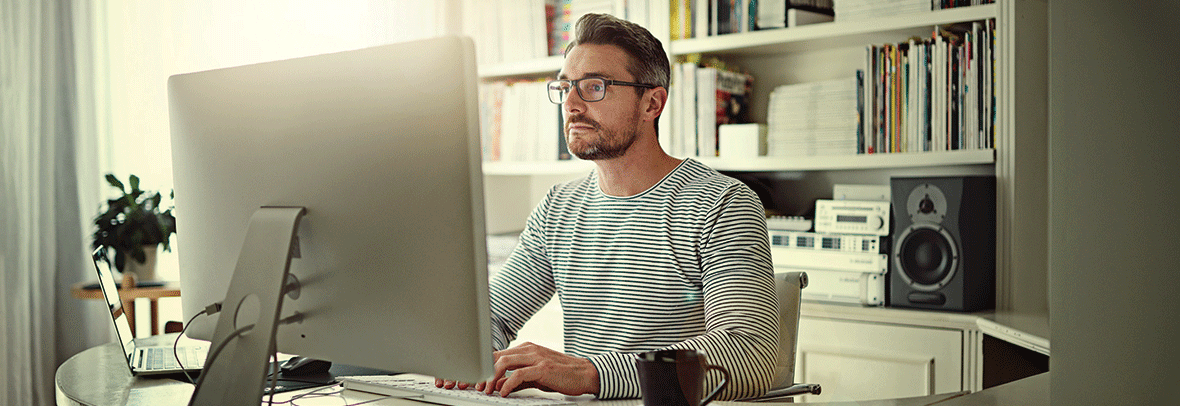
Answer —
685 264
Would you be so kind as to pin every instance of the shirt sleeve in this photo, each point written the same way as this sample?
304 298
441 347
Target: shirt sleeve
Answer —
741 309
524 284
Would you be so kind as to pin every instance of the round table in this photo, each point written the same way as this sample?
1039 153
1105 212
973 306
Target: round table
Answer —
99 376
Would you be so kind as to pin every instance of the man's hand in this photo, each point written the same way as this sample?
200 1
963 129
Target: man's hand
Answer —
534 366
439 382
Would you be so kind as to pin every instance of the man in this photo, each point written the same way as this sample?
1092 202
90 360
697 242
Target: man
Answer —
647 252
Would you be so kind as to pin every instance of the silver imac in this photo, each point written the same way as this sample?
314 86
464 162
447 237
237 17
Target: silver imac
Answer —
380 146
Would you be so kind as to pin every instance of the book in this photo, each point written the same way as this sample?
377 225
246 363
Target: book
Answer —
722 98
688 109
706 86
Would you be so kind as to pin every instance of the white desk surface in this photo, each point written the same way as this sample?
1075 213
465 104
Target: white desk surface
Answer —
99 376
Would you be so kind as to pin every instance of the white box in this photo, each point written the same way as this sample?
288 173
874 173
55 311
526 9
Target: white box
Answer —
876 193
797 17
862 288
741 140
838 261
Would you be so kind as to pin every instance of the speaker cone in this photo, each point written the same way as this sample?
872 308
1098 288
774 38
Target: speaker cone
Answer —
926 256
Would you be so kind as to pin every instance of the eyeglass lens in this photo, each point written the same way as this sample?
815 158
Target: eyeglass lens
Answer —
589 89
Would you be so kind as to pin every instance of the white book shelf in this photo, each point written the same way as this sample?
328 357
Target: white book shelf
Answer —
773 164
504 168
805 38
836 34
521 68
855 162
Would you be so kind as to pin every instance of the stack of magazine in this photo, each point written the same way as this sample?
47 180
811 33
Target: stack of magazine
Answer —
853 10
818 118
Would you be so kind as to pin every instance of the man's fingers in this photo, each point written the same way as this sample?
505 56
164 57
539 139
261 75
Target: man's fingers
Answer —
523 378
445 384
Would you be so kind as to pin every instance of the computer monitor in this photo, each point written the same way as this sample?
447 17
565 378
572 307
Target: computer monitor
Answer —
381 146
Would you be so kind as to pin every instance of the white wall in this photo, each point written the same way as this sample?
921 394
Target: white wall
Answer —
142 42
1114 259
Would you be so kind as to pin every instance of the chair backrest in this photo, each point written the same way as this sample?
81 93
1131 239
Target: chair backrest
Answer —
788 288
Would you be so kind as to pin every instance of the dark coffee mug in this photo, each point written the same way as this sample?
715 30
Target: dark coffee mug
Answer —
676 378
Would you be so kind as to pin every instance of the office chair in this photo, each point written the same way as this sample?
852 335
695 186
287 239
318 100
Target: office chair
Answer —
788 288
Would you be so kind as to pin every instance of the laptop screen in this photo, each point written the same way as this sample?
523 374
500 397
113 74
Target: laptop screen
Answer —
106 280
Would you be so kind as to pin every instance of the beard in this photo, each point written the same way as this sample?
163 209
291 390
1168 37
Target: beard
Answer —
609 143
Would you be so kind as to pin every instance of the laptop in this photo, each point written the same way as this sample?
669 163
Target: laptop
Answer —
142 358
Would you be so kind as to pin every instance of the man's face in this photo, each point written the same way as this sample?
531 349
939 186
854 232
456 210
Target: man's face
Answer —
606 128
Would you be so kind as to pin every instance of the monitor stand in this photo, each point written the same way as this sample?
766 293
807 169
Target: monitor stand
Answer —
236 375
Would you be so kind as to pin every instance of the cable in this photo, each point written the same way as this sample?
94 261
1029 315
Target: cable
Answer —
213 356
274 375
209 310
213 309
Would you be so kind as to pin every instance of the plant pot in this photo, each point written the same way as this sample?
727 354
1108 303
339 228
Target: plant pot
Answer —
147 270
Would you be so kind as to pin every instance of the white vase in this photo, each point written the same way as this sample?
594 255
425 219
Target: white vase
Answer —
145 271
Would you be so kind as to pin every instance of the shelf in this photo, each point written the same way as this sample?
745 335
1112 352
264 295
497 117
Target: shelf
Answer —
835 34
549 65
808 37
772 164
853 162
571 167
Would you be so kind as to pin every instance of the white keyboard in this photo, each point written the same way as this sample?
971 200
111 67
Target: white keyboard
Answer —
418 389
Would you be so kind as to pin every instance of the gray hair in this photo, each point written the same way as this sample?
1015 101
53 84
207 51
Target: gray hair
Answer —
649 64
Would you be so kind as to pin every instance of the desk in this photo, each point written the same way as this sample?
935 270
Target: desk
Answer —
1031 391
128 295
99 377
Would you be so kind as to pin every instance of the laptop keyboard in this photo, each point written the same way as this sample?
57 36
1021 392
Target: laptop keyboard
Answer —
159 358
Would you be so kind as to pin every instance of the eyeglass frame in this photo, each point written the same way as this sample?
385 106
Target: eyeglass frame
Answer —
574 84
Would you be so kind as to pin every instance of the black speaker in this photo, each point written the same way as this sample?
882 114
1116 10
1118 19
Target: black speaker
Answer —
944 243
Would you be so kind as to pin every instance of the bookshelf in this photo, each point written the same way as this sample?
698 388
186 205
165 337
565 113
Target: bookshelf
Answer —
533 67
829 50
803 40
570 167
855 162
836 34
826 51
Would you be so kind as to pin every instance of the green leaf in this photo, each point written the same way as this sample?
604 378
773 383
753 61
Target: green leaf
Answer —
135 185
115 182
155 199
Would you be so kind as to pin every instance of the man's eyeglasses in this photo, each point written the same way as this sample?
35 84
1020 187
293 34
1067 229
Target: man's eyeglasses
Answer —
589 89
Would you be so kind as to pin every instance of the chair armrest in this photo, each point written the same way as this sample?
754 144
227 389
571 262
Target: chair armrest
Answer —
788 391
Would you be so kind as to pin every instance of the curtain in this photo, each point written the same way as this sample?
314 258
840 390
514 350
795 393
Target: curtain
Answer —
45 110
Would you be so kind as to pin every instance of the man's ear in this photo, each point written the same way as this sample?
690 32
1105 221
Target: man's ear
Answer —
653 103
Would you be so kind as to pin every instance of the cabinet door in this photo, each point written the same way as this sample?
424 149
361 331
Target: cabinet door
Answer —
855 361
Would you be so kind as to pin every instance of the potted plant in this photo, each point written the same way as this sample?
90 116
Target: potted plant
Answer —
131 225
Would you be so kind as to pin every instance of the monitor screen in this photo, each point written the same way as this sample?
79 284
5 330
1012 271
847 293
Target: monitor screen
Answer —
381 146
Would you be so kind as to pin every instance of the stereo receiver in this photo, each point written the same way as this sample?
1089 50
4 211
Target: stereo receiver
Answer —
852 217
